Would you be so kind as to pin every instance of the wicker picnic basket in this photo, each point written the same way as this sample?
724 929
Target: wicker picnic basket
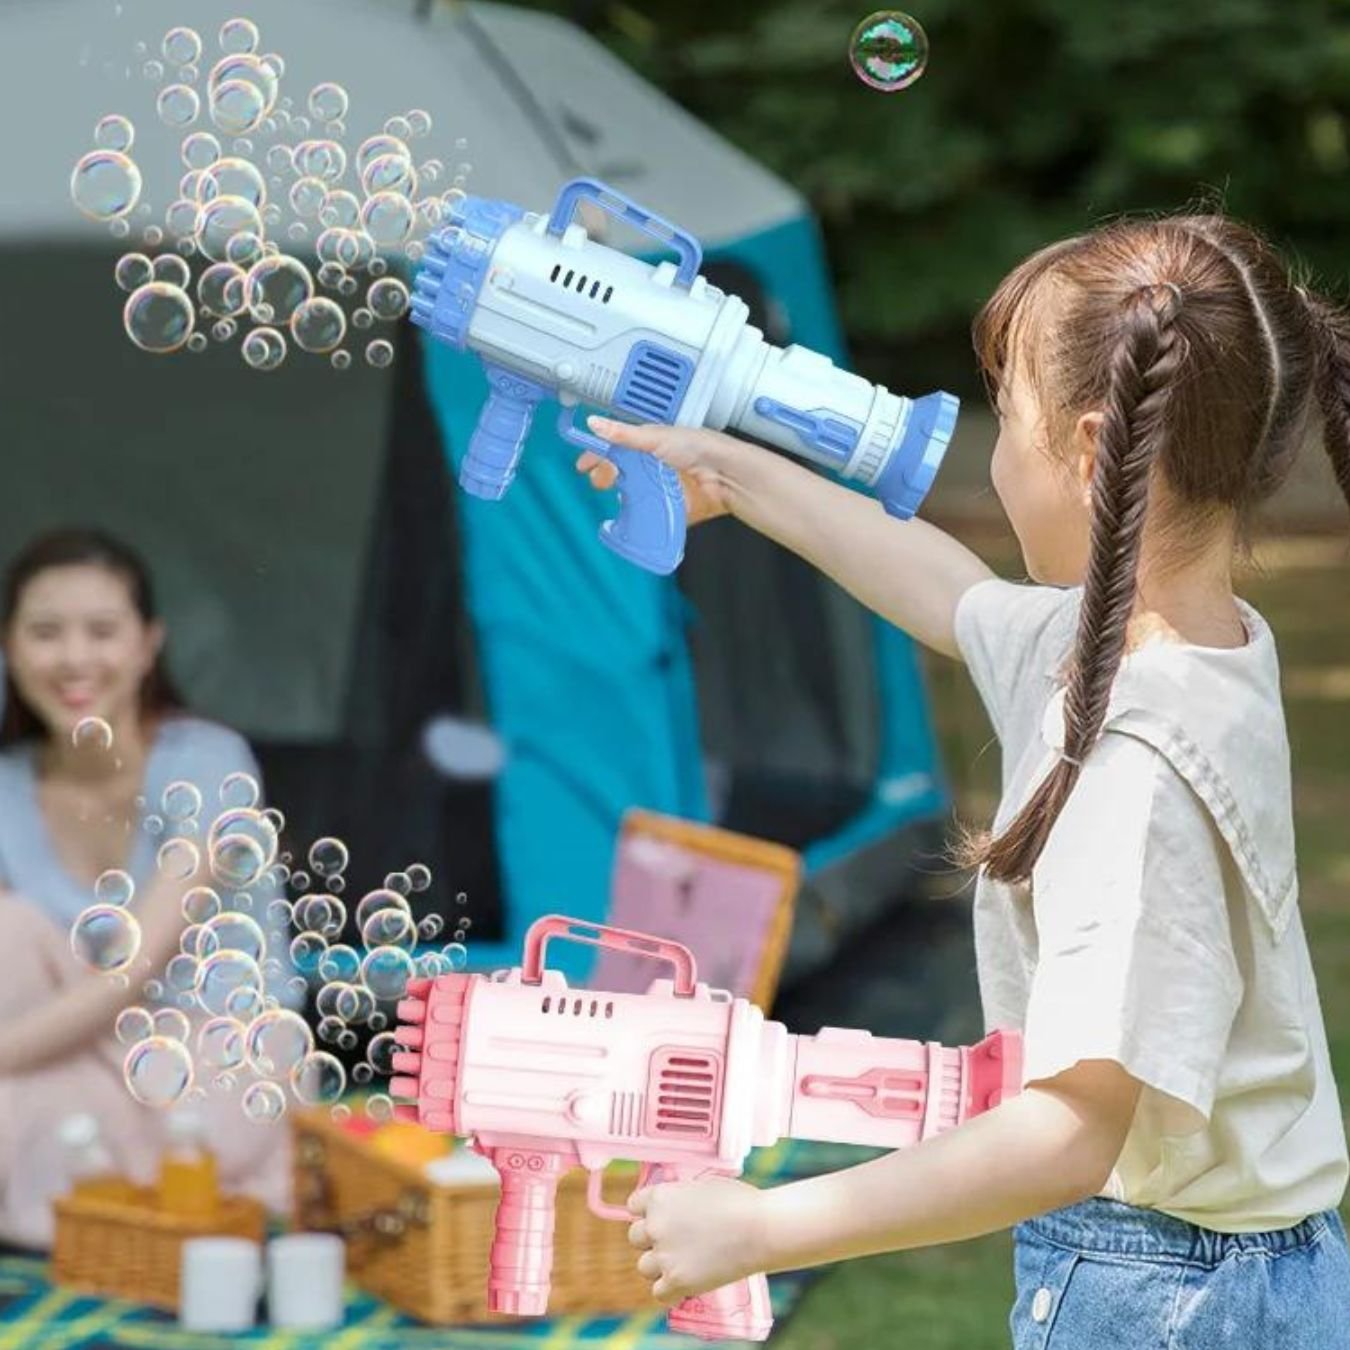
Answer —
129 1248
423 1246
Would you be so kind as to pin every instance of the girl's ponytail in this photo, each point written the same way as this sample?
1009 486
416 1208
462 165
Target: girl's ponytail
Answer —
1134 428
1333 383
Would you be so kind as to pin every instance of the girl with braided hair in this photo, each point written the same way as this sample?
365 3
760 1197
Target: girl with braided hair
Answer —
1174 1162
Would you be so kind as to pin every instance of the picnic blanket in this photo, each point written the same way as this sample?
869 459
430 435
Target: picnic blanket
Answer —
36 1315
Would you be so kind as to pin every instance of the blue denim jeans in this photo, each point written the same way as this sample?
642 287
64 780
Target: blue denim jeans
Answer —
1106 1276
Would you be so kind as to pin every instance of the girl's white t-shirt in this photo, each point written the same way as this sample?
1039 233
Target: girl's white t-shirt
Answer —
1161 927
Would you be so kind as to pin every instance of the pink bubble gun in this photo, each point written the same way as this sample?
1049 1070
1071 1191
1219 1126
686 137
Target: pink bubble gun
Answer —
683 1079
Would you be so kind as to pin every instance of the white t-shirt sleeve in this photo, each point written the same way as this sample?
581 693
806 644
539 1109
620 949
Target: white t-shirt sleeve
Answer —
1135 958
1009 637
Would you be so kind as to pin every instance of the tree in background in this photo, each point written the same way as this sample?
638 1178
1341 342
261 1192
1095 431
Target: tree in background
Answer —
1035 119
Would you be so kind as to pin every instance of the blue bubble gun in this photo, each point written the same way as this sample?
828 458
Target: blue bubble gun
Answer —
551 312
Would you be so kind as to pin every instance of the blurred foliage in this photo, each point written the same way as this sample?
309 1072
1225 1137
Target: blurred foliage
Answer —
1034 119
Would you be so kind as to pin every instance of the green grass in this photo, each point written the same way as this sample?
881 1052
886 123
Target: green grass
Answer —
957 1298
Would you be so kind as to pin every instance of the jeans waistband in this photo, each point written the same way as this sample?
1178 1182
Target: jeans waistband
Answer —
1113 1228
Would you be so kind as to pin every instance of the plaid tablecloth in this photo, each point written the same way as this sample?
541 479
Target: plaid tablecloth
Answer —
36 1315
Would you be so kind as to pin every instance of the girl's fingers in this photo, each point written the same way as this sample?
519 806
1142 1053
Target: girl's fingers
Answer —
649 437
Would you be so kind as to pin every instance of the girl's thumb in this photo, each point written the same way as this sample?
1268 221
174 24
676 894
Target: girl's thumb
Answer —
646 438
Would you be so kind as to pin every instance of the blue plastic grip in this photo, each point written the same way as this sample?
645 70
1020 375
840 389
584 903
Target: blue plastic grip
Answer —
650 527
591 189
494 448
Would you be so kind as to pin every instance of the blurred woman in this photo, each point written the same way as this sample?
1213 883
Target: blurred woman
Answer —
93 733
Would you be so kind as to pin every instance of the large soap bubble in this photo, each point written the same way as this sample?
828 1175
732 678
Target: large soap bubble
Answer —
105 185
888 50
158 317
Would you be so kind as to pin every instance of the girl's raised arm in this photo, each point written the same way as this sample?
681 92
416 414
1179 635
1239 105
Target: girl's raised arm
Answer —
909 572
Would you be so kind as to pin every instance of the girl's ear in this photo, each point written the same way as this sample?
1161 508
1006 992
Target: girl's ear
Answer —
1085 434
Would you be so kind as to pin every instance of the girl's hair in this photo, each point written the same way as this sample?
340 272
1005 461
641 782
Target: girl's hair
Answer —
74 548
1209 364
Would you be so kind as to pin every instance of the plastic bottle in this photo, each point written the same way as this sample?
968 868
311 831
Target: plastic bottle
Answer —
188 1183
89 1167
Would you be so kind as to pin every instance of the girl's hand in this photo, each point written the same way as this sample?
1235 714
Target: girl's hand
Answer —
693 452
697 1235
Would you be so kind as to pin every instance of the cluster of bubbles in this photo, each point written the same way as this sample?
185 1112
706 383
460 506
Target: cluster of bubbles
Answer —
349 212
228 962
888 50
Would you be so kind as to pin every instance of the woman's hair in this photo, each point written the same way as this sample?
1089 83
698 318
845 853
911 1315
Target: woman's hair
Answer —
74 548
1209 364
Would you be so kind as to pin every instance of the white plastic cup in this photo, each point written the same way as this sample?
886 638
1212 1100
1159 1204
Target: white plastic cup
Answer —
220 1279
304 1280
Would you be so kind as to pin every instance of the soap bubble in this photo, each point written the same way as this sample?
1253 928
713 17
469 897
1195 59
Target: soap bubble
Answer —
181 46
362 318
888 50
178 105
200 904
181 800
398 126
234 932
340 963
390 173
398 882
387 217
379 353
308 196
340 208
307 952
200 151
105 938
243 250
386 972
239 35
362 1073
178 858
237 106
133 1025
280 283
223 973
245 1002
457 954
246 69
221 220
243 843
355 1003
172 1025
431 965
275 62
279 913
356 249
430 927
388 298
325 160
276 1042
340 360
152 70
381 1051
114 887
419 874
419 122
328 856
182 218
264 349
378 267
390 928
323 914
172 270
157 1071
319 1079
114 132
264 1103
105 184
328 102
153 235
220 1043
382 898
375 146
153 824
158 317
329 1029
133 270
232 177
380 1106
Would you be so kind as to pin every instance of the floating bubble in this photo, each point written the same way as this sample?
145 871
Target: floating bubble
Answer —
328 856
340 360
232 931
322 158
264 1103
374 146
381 898
224 330
307 952
380 1106
264 348
181 973
221 221
388 298
308 196
300 880
245 1002
378 267
326 1000
200 904
279 913
245 249
386 972
153 235
181 800
243 844
178 859
430 927
200 151
328 102
390 173
171 270
362 318
329 1029
362 1073
153 70
223 973
243 147
398 126
419 122
233 177
172 1025
114 132
323 914
158 317
105 938
419 874
181 46
390 928
379 353
347 1039
133 1025
239 35
355 1003
414 251
114 887
340 963
888 50
220 1043
280 159
431 965
157 1071
237 106
182 218
105 184
133 270
275 62
387 217
276 1042
457 954
178 105
381 1051
319 1079
430 212
340 208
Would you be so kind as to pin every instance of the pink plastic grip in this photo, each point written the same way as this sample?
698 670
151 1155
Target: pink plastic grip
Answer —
521 1261
735 1312
603 935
